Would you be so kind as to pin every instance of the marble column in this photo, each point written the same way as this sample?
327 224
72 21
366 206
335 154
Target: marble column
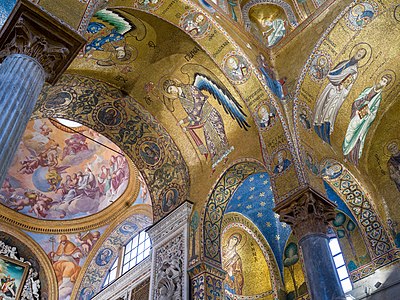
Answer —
34 47
169 238
309 214
21 80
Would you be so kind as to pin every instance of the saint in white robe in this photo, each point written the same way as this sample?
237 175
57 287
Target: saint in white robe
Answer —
332 98
364 110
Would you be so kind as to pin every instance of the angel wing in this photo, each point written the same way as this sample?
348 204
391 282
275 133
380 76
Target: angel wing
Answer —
224 97
121 25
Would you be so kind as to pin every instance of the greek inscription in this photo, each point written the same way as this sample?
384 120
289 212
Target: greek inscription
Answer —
170 5
220 48
212 35
191 54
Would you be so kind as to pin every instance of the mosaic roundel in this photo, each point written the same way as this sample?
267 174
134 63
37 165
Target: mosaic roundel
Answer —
109 114
236 68
169 199
281 161
266 115
150 152
104 256
320 66
361 14
60 99
195 23
128 228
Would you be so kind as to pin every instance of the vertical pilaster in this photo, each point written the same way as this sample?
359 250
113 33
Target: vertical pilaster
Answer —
309 214
169 237
207 282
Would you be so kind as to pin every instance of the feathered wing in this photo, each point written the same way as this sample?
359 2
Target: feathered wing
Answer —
121 25
224 97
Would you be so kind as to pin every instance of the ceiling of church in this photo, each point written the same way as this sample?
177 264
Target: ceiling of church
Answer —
347 98
177 103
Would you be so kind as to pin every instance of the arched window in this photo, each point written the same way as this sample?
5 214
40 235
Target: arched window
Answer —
340 264
135 251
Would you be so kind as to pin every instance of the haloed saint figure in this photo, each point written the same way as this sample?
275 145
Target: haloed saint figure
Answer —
363 113
202 115
232 264
341 79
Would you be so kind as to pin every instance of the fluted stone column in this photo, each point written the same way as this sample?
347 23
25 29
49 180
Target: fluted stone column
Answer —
34 48
308 213
21 80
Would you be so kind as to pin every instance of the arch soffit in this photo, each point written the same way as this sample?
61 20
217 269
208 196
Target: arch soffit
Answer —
87 96
215 206
377 239
107 238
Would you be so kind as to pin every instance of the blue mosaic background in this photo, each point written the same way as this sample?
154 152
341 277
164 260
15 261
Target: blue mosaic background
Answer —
6 7
254 199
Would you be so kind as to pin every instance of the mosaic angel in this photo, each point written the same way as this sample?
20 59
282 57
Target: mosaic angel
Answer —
201 114
108 38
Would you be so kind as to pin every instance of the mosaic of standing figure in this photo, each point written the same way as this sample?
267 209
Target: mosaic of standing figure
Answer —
201 114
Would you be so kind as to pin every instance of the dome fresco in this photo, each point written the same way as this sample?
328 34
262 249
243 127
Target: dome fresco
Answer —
64 174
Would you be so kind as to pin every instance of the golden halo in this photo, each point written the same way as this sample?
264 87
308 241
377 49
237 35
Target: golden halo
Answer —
357 10
131 54
386 72
243 239
385 148
161 87
275 159
367 57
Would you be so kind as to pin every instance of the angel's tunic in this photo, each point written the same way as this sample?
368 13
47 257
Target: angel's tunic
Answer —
201 114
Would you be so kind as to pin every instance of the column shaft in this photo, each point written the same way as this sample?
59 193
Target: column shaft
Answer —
322 278
21 80
309 214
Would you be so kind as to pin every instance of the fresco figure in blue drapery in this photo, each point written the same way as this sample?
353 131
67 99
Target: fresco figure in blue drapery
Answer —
201 114
232 264
393 164
341 79
363 113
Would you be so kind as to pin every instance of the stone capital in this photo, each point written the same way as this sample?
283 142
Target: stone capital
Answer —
307 212
31 31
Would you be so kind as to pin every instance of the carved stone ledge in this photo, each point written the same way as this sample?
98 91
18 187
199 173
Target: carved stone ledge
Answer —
307 212
31 31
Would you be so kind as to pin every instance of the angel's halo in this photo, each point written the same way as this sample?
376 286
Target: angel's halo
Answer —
161 86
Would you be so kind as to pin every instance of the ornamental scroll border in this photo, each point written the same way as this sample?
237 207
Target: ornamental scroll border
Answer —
133 114
379 242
